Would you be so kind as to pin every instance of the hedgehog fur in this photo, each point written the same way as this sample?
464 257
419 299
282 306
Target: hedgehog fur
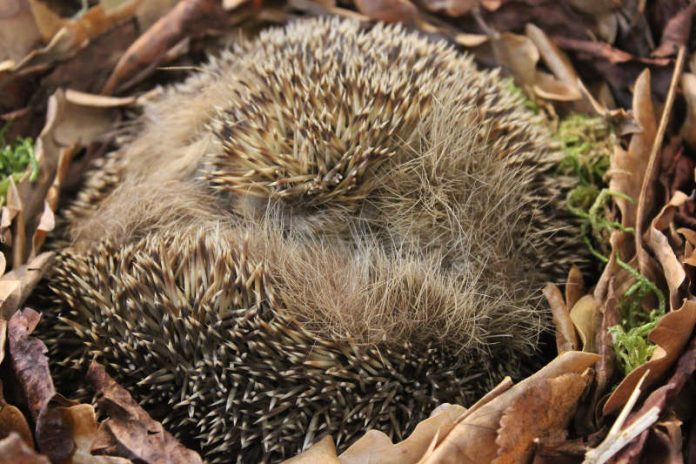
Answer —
330 228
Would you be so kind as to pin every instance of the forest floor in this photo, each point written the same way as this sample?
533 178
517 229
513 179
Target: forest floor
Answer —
617 78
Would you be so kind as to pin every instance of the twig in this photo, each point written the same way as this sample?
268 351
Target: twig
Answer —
617 438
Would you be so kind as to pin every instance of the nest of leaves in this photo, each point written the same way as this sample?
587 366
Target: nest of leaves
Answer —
619 80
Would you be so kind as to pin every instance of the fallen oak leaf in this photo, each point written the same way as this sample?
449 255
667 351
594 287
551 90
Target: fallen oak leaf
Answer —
17 285
130 432
29 361
566 338
389 11
322 452
12 420
544 408
13 450
674 272
377 447
473 438
587 320
185 18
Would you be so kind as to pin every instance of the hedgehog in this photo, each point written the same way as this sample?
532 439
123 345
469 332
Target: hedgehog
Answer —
329 228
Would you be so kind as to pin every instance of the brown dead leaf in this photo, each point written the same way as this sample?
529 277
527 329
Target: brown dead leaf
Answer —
18 31
389 11
556 61
473 438
688 86
65 432
377 447
17 285
628 168
543 409
671 335
587 320
12 420
186 18
566 338
323 451
130 432
452 8
676 32
518 54
13 450
29 362
673 270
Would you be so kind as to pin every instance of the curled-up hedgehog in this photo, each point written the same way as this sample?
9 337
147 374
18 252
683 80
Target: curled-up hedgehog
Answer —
330 228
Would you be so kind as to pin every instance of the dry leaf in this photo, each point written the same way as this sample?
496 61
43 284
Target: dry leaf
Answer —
628 168
673 269
186 18
12 420
543 409
18 31
389 11
473 438
688 130
29 362
324 451
130 432
17 285
376 447
452 8
566 339
13 450
587 320
556 61
517 53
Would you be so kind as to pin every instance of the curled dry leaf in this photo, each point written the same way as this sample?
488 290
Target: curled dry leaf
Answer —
13 421
628 168
324 451
542 410
674 272
18 31
688 85
29 362
74 32
566 338
17 285
377 447
188 17
13 450
389 11
130 432
587 320
671 336
68 430
473 438
557 62
452 7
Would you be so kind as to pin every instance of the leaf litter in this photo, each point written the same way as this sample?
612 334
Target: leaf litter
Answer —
621 386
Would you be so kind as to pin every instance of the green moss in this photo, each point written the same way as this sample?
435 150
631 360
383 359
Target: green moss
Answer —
630 336
14 159
588 144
